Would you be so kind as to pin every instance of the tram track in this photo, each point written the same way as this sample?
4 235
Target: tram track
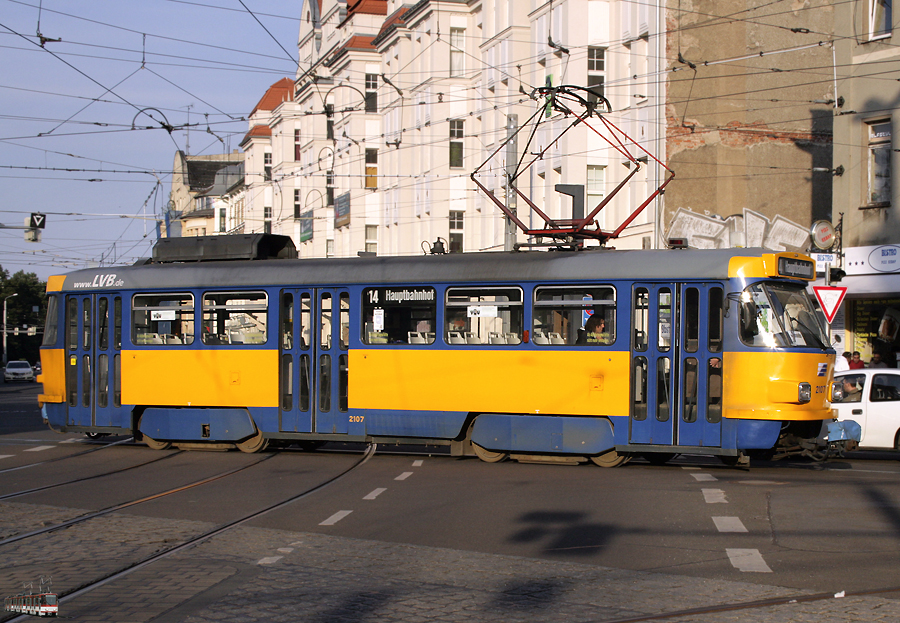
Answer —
752 605
124 505
68 456
8 496
78 591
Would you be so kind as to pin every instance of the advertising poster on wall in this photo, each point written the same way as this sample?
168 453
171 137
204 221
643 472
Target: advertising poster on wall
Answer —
876 329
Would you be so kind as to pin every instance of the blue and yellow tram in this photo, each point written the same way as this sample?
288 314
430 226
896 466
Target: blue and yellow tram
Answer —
600 354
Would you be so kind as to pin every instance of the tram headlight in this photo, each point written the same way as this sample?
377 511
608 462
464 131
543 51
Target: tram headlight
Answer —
804 393
837 392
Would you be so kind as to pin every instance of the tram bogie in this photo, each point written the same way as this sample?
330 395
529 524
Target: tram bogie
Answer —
603 354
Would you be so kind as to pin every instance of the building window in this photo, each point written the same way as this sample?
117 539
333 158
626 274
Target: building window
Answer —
267 222
596 176
297 145
879 163
329 188
371 92
596 71
297 205
371 238
371 168
457 55
880 18
329 248
456 231
222 214
457 131
267 166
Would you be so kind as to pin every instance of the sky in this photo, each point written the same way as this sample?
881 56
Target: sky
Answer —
83 135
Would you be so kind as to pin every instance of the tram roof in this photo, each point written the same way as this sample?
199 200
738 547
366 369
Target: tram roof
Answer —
601 265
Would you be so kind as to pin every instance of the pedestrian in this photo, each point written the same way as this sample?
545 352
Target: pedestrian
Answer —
877 362
855 362
842 363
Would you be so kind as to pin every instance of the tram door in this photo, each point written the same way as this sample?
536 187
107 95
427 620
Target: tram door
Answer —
94 360
676 369
314 334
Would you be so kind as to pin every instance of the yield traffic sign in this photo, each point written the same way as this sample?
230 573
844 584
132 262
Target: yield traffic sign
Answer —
830 299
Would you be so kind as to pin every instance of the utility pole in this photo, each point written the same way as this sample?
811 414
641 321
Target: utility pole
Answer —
5 360
512 158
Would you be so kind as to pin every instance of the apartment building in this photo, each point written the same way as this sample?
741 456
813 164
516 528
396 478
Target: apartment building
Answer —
395 105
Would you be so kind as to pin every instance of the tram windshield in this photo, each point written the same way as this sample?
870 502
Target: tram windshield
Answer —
780 315
50 599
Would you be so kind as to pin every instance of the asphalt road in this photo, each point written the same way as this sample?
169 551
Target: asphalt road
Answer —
826 527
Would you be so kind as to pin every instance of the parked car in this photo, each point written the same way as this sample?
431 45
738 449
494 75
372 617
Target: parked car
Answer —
872 398
18 371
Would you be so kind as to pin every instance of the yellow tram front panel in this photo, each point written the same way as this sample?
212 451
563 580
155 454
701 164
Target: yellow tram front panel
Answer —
200 377
500 381
52 376
765 385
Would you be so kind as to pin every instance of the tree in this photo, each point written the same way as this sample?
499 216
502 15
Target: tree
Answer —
21 313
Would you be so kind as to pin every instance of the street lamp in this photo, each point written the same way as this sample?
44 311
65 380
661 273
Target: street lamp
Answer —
4 326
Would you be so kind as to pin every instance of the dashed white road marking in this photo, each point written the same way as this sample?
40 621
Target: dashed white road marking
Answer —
729 524
38 448
417 463
375 493
285 550
748 560
714 496
404 476
335 518
270 560
6 456
704 477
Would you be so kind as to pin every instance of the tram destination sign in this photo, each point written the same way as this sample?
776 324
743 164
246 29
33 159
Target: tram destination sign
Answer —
400 296
793 267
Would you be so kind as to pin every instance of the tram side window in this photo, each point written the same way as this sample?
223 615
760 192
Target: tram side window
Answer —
162 319
716 319
641 318
399 315
51 326
583 315
484 316
72 323
235 318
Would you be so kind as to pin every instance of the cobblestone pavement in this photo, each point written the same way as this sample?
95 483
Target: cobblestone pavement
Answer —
252 574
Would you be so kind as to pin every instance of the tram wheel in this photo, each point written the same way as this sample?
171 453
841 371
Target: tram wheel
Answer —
309 446
157 445
94 435
258 443
489 456
659 458
609 459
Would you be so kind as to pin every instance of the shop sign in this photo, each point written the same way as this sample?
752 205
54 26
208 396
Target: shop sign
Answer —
342 210
823 260
868 260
